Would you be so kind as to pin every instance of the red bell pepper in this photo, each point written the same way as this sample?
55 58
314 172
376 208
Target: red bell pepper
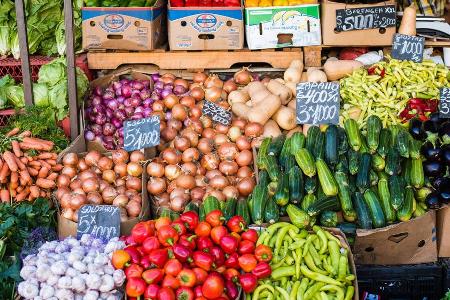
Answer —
262 270
145 262
166 293
219 256
250 235
158 257
204 243
141 250
191 3
213 286
134 270
167 235
248 282
198 291
229 244
171 282
231 289
263 253
215 218
151 292
187 278
203 229
247 262
231 274
179 226
150 243
190 220
182 253
176 3
141 231
129 241
230 3
232 261
153 276
236 224
134 254
246 247
120 259
185 293
203 260
200 275
188 240
217 233
173 267
135 287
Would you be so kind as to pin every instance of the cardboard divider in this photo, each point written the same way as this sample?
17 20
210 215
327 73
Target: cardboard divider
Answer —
443 231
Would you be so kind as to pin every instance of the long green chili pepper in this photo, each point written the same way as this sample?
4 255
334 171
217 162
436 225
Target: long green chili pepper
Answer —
318 277
338 290
294 290
283 293
313 289
283 272
310 263
261 288
349 293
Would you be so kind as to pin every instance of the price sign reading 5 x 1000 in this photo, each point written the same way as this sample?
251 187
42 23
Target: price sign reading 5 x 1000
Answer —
140 134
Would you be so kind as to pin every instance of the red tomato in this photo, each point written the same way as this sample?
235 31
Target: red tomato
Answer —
173 267
213 286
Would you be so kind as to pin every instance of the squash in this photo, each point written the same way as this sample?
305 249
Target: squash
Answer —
271 129
304 77
337 69
316 75
238 96
280 90
241 110
296 64
292 86
293 104
285 117
408 24
262 111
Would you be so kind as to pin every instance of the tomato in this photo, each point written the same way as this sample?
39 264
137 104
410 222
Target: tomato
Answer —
217 233
247 262
250 235
215 218
162 221
187 278
263 253
167 235
171 282
213 286
166 293
173 267
200 275
120 259
203 229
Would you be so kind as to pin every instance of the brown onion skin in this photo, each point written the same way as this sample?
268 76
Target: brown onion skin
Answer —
244 172
134 183
197 193
227 151
253 129
219 182
210 161
133 209
212 173
171 156
120 201
75 184
60 192
156 186
188 101
181 143
92 158
90 185
109 194
243 143
105 163
189 168
199 77
82 166
177 204
245 186
70 159
120 156
201 180
231 192
65 200
179 112
109 176
134 169
205 145
218 194
155 169
244 158
76 201
228 167
121 169
62 181
137 156
239 123
208 133
171 172
168 133
220 128
69 171
175 124
191 154
94 198
186 181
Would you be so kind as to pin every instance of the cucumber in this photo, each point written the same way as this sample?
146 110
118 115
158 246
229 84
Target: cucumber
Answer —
395 129
344 194
311 185
272 188
419 211
342 165
378 162
230 208
164 212
211 203
174 215
263 178
392 162
319 146
306 162
272 167
353 134
343 142
259 200
417 177
414 148
347 228
385 198
402 143
373 132
406 171
320 205
271 212
285 152
307 201
262 153
331 145
328 218
201 212
295 185
326 179
409 205
385 142
373 178
297 142
375 210
222 205
281 196
353 161
290 163
282 209
311 138
362 211
242 210
191 206
362 178
396 187
276 145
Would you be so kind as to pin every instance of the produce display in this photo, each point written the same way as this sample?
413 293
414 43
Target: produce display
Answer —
205 3
192 257
72 269
120 3
268 3
306 265
100 179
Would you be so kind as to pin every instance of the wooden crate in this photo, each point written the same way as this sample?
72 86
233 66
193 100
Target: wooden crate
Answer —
195 60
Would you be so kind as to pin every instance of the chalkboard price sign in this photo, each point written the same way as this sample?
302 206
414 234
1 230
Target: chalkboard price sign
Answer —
140 134
318 103
365 18
407 47
444 103
102 221
216 113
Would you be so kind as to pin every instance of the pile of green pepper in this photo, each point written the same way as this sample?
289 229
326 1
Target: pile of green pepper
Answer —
304 265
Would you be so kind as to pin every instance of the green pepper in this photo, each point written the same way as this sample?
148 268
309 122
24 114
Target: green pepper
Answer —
298 262
334 255
349 293
322 237
302 288
283 293
294 290
312 290
310 263
283 272
343 263
260 288
318 277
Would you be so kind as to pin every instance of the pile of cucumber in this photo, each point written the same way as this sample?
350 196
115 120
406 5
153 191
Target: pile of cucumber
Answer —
341 175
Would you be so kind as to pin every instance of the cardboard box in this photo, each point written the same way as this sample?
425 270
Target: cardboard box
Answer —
443 231
123 28
69 228
205 28
282 26
367 37
412 242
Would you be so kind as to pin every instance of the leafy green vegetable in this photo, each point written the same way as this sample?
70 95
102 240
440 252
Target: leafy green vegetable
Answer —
40 95
5 81
14 93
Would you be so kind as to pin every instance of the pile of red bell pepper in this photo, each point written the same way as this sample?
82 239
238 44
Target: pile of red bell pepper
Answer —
420 108
205 3
189 259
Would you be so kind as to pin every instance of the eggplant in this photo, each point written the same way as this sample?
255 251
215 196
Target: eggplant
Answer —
444 132
432 200
436 119
416 130
430 152
444 197
430 126
440 182
433 168
445 156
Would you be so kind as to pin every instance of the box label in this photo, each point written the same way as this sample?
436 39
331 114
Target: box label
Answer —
142 133
102 221
318 103
444 103
365 18
407 47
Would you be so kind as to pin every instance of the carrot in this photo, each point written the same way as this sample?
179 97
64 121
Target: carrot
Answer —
13 132
38 141
16 148
4 196
52 176
19 163
45 183
45 164
42 194
24 160
23 194
26 133
43 172
34 163
57 167
4 172
33 172
51 162
13 192
26 176
47 155
22 182
14 177
10 160
1 163
34 192
13 185
38 147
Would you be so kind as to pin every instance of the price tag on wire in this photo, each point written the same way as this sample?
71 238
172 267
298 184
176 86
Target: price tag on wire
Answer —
407 47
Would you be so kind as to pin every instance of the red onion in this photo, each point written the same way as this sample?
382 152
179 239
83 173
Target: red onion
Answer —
89 135
108 129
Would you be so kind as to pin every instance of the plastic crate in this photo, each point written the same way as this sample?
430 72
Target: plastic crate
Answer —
446 266
5 115
412 282
13 67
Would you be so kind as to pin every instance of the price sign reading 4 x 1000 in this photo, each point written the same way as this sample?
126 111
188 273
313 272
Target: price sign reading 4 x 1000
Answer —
140 134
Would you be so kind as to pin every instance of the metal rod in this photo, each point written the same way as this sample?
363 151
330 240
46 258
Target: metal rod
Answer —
23 45
71 74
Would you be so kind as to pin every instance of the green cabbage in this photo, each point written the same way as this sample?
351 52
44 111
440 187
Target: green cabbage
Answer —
40 95
14 93
5 81
58 99
53 72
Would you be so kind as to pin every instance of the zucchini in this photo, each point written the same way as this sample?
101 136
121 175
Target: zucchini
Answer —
282 209
402 143
191 206
417 177
272 188
230 208
385 198
385 142
271 212
297 142
347 228
353 134
276 145
290 163
306 162
394 132
174 215
326 179
281 196
242 210
222 205
414 148
259 200
263 178
272 167
409 205
298 217
342 165
396 187
311 185
285 152
311 138
344 195
307 201
406 171
378 162
419 211
375 210
363 148
328 218
373 133
392 162
362 178
352 183
320 205
201 212
295 185
353 161
342 139
362 211
262 153
164 212
331 145
211 203
373 178
319 146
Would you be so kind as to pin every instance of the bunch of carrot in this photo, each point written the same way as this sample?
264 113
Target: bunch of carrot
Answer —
23 175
